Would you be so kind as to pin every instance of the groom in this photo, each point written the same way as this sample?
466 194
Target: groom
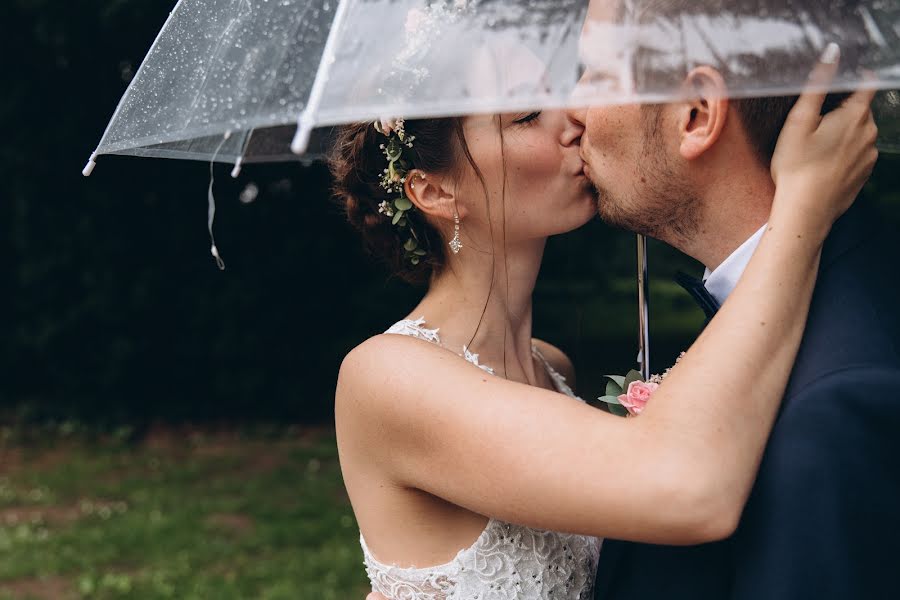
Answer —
823 520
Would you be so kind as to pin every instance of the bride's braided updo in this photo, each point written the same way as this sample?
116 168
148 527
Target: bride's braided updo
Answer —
357 165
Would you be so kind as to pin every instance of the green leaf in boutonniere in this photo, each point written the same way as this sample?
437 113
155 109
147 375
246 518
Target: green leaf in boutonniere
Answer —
631 378
609 399
620 381
614 406
618 410
614 389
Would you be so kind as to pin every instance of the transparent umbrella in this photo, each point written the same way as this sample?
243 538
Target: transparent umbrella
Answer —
240 81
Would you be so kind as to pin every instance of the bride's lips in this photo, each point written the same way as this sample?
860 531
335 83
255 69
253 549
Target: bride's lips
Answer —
585 169
582 169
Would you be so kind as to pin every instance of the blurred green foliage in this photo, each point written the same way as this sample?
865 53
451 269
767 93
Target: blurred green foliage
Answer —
113 311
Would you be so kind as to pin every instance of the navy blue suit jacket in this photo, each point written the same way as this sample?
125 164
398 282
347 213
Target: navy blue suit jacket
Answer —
823 519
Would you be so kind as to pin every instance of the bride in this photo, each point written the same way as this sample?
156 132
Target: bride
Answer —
473 469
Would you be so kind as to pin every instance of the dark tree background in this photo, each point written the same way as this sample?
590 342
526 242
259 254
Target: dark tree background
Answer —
112 309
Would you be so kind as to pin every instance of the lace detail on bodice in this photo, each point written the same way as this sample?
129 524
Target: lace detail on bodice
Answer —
416 328
506 562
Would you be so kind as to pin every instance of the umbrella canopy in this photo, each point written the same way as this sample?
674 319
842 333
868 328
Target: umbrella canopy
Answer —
240 80
257 80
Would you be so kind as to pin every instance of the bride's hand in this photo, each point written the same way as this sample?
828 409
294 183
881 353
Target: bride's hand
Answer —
821 163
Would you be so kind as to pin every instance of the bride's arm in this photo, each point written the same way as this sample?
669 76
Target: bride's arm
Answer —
682 471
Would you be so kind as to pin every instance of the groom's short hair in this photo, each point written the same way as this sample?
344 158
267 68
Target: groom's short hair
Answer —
763 118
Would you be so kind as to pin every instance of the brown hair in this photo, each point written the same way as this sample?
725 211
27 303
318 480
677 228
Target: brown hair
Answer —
357 163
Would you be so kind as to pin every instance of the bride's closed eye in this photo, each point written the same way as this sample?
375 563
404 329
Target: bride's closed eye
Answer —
527 119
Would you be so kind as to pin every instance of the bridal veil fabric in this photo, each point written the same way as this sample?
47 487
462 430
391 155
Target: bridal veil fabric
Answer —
261 80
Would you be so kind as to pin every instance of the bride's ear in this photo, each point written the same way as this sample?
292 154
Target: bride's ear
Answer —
432 195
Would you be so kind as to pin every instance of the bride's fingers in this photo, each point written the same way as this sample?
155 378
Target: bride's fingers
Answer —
808 110
862 98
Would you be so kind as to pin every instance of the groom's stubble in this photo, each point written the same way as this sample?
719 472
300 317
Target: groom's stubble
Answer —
661 202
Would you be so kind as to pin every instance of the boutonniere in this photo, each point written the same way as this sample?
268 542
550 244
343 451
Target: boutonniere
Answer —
628 395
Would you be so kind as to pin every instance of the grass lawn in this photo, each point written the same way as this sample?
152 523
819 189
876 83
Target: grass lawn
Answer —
180 515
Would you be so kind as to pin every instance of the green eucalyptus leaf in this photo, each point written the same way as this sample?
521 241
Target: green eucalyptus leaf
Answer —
414 260
610 400
393 151
410 245
613 389
617 410
403 222
620 380
397 216
403 203
632 377
419 252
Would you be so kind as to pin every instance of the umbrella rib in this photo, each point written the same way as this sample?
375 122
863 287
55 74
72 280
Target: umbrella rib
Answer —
92 161
268 92
306 121
215 53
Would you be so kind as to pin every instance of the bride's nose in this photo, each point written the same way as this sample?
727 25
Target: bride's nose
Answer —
571 133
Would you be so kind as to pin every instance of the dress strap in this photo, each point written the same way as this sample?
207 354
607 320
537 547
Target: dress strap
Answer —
416 328
559 380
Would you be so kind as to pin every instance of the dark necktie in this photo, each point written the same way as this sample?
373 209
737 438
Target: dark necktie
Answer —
699 293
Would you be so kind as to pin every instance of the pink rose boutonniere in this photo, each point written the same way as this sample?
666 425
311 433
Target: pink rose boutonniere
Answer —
637 395
628 396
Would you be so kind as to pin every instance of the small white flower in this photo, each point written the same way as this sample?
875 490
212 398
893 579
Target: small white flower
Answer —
386 209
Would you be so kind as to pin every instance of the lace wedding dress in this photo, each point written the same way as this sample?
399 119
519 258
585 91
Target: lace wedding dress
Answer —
506 562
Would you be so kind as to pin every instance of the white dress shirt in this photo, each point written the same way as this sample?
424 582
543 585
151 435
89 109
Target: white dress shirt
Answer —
723 280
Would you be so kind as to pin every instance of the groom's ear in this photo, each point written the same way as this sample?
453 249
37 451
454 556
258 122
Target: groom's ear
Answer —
432 195
703 116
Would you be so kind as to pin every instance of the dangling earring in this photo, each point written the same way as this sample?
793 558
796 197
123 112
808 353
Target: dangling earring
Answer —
455 244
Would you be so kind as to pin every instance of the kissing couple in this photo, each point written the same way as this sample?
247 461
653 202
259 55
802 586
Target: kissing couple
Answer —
765 465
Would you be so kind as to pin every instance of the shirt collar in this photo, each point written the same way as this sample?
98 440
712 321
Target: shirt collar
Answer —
723 280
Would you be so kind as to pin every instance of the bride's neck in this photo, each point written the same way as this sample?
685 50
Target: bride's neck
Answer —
500 288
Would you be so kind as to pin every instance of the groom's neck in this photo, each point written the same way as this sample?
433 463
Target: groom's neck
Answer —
733 208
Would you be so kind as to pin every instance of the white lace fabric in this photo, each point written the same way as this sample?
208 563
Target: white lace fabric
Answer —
506 562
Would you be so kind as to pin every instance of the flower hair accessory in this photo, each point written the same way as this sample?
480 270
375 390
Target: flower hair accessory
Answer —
393 180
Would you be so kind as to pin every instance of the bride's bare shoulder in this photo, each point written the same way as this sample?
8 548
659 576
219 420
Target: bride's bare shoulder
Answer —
390 367
367 360
389 385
